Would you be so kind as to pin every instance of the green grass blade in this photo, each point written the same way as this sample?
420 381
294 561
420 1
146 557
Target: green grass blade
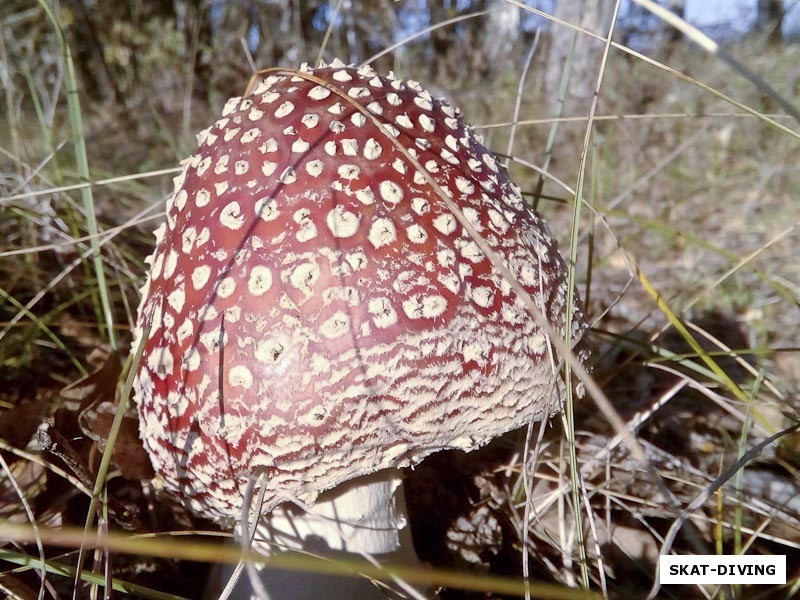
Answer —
79 142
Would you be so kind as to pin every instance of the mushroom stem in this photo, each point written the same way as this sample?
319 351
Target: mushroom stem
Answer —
363 518
362 515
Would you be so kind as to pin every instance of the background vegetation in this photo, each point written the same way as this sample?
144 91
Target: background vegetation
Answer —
686 257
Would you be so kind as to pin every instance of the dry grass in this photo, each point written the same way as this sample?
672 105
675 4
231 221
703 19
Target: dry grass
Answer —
690 212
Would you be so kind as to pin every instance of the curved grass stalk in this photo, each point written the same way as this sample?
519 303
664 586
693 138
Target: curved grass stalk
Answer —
79 142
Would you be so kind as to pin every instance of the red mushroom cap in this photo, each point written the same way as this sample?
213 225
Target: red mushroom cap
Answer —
318 313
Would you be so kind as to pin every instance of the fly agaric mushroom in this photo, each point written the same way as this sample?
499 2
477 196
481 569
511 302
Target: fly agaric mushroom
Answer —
318 314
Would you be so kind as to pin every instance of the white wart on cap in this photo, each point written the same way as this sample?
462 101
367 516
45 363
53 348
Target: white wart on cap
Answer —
317 311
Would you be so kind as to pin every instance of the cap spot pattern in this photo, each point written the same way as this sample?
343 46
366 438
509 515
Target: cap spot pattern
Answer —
302 245
260 280
284 110
342 223
200 276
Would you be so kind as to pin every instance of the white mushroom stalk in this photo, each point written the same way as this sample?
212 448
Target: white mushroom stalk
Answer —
362 515
319 315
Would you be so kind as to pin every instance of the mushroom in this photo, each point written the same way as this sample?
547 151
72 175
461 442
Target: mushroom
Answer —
318 315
